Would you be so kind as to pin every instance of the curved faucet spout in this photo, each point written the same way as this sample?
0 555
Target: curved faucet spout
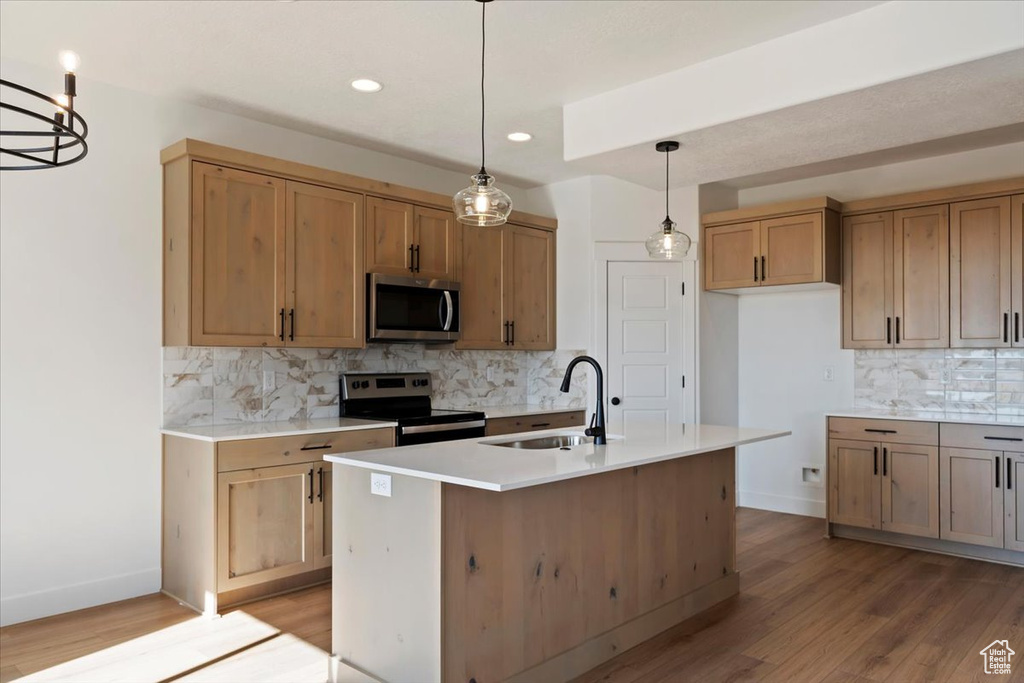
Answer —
597 425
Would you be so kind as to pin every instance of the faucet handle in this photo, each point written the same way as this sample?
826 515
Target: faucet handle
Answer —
592 430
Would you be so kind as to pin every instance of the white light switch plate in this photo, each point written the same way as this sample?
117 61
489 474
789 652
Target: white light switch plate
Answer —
830 374
268 381
380 484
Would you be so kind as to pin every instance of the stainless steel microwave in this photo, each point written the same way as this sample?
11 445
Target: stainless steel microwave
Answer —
411 309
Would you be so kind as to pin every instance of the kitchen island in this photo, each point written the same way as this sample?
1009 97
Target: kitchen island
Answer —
490 563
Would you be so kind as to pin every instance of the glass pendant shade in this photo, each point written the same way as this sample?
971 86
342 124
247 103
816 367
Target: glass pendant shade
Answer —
481 203
667 242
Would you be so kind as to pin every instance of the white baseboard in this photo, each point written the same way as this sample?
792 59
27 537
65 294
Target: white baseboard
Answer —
18 608
776 503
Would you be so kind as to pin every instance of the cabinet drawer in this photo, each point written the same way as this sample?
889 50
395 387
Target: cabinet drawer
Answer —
530 423
284 450
892 431
983 437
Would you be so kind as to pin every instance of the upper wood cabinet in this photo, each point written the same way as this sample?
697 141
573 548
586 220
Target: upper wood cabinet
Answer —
403 239
773 245
895 279
260 261
507 276
980 269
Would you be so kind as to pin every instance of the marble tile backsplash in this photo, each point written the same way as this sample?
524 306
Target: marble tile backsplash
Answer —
204 386
988 381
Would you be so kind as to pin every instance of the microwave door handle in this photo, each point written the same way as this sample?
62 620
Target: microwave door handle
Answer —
449 311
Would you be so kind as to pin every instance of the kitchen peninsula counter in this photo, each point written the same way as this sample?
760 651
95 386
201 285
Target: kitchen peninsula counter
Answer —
490 563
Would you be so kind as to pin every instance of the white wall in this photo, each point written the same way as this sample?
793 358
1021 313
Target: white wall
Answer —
80 302
787 340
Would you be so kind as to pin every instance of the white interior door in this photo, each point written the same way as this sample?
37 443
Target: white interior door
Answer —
645 343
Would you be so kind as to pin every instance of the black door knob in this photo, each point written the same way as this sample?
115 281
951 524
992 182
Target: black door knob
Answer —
616 401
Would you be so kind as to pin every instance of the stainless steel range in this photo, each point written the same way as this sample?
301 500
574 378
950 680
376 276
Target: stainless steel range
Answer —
405 398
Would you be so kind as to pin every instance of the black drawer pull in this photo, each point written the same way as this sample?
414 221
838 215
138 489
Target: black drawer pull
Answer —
1004 438
541 424
315 448
881 431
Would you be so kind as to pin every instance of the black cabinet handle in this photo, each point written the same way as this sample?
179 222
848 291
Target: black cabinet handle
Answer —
755 269
885 462
1006 328
616 401
897 329
1009 471
320 493
315 448
764 270
881 431
1016 327
512 330
541 424
412 263
310 484
876 461
506 333
282 324
291 316
416 253
888 330
998 464
1003 438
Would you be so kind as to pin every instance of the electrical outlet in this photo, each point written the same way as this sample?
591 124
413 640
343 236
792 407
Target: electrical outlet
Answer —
830 374
490 373
947 375
268 381
380 484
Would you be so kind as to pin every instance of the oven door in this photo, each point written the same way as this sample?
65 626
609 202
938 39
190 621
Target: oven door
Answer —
411 309
449 431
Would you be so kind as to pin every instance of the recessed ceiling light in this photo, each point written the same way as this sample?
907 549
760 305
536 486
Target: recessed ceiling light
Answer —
520 137
366 85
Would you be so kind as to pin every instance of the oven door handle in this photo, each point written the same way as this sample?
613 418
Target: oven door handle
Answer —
446 427
449 313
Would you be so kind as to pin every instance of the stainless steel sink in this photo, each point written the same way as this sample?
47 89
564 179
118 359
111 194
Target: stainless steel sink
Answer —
542 442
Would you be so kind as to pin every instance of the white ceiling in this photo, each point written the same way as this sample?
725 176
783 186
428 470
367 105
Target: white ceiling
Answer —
290 63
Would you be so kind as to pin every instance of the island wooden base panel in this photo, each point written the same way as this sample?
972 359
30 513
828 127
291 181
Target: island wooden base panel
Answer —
812 608
935 545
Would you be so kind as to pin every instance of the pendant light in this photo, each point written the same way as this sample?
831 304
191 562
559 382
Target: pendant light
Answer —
667 242
482 203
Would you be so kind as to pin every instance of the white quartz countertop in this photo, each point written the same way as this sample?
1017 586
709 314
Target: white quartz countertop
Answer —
478 463
931 416
494 412
261 430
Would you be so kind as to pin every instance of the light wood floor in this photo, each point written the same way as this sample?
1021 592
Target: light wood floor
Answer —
809 609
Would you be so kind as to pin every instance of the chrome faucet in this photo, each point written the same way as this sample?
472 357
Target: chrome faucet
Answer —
597 427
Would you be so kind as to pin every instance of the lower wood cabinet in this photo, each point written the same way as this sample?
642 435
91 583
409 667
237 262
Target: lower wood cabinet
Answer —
250 517
972 499
535 422
1013 503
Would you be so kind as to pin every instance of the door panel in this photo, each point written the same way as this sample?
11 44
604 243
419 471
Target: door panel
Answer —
264 524
910 489
867 281
855 485
921 277
325 272
434 238
389 233
1014 502
645 342
732 256
1017 267
238 257
531 272
971 506
792 249
323 522
980 271
482 297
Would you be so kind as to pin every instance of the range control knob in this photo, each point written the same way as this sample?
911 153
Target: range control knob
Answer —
365 384
355 384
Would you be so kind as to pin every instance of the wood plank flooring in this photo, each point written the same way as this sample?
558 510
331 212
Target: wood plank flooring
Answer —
809 609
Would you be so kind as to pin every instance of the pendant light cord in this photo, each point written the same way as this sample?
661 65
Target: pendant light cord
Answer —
666 184
483 50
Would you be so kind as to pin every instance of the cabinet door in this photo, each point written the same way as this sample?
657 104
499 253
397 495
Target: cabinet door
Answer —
530 269
910 489
732 255
389 235
325 274
921 277
970 503
854 478
980 273
1017 267
434 240
323 528
238 257
1013 502
867 281
792 250
482 295
264 524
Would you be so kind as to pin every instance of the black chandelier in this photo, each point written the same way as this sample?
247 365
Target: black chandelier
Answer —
68 139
